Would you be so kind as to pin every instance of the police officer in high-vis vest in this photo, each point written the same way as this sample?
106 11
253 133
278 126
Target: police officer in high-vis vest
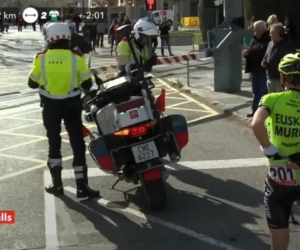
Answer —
143 31
60 73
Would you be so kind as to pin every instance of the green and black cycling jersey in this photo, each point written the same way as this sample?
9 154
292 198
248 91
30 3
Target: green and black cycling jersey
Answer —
283 123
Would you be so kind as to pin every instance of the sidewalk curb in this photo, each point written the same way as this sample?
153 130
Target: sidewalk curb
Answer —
205 99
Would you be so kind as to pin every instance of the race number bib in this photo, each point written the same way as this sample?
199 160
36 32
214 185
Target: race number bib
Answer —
283 175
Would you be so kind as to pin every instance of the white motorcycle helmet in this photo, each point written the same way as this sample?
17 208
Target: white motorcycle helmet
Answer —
71 25
144 28
57 31
45 26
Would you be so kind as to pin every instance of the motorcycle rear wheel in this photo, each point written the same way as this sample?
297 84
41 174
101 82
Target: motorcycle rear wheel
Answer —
155 193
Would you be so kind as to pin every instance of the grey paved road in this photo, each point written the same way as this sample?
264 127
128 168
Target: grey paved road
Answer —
208 208
214 193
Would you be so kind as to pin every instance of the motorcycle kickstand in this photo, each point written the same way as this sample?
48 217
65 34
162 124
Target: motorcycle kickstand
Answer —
115 184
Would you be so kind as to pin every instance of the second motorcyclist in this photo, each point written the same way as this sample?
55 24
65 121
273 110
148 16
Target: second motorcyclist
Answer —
143 31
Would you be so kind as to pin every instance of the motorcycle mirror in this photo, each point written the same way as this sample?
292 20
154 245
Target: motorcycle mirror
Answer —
122 60
125 29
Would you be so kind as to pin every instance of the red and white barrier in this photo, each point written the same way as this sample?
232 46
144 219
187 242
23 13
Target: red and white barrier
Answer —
160 61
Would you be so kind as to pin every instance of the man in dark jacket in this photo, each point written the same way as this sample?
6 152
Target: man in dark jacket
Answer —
89 31
254 55
280 45
77 20
77 41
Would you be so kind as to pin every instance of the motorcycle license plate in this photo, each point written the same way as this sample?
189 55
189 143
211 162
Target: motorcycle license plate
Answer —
145 152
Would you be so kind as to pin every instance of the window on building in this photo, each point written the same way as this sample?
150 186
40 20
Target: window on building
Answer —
166 6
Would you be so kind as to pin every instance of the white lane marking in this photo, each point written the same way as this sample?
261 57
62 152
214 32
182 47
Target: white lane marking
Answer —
105 217
21 111
164 223
67 234
50 217
188 165
27 42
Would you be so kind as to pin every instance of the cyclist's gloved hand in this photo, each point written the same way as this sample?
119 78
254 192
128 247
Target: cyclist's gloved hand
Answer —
271 152
295 158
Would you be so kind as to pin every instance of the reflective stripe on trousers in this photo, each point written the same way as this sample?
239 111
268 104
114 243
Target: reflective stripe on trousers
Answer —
52 163
71 93
79 172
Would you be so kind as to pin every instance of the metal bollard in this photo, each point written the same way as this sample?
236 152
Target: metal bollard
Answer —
193 44
188 72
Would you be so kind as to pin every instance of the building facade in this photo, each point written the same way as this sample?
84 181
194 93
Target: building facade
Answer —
137 10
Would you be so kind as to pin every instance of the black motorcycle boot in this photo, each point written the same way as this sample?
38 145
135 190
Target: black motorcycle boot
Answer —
84 192
56 188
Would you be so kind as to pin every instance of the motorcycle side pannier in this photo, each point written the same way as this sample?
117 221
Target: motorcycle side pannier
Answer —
178 126
101 149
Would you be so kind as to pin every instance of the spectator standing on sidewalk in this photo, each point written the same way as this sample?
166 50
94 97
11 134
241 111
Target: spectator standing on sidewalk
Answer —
120 22
164 29
290 28
126 20
254 55
279 46
77 20
272 20
112 36
101 26
20 22
34 26
89 31
154 40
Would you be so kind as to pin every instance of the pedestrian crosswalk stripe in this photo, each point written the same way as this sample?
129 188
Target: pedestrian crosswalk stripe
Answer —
27 42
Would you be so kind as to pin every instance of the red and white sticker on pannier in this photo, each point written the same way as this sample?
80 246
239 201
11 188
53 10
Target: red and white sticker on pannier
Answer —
134 114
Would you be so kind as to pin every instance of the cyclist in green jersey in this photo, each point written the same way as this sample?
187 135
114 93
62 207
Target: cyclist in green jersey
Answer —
276 125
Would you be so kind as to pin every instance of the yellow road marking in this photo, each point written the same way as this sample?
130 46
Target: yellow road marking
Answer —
27 113
173 98
193 110
22 158
9 85
188 97
23 135
31 169
22 119
171 93
24 126
177 104
41 138
200 118
21 144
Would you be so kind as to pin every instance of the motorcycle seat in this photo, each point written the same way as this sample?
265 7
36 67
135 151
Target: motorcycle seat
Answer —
116 83
119 89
